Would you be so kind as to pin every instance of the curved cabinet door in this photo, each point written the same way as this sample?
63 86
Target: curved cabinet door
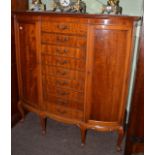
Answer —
27 61
110 56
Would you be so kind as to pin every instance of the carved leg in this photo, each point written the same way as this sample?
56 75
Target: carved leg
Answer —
21 110
83 134
120 138
43 124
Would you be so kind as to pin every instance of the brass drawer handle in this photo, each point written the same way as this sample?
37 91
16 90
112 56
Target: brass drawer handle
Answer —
62 27
62 39
62 83
59 62
65 51
61 72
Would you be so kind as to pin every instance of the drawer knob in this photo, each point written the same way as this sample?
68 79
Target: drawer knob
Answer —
20 28
61 62
65 51
61 111
62 83
62 39
62 102
61 72
62 27
63 93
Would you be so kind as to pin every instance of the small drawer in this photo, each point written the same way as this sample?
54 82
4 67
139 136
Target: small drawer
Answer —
77 85
59 27
63 102
79 53
65 112
64 62
71 41
63 73
69 95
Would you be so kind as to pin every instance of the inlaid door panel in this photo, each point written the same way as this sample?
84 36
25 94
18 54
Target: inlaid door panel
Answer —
27 62
110 72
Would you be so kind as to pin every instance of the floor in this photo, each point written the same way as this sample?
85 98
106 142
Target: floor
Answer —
60 139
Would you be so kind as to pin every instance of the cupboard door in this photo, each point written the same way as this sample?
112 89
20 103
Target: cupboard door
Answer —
28 62
110 56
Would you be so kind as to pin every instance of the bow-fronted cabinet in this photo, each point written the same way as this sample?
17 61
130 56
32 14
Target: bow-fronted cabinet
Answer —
75 68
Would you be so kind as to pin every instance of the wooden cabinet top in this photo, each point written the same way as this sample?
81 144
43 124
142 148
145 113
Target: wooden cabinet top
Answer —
76 15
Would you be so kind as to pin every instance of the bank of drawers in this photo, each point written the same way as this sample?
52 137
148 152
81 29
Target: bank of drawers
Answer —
63 68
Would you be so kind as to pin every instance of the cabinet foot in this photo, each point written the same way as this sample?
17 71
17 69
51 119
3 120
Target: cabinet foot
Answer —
21 110
83 134
120 138
43 125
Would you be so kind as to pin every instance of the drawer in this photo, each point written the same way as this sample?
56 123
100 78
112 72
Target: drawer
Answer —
63 73
67 94
64 62
77 85
59 27
63 102
79 53
65 112
71 41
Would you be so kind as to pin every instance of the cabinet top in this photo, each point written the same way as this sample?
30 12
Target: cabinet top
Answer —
77 15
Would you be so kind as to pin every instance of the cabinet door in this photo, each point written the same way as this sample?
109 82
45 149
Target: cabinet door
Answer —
27 59
109 63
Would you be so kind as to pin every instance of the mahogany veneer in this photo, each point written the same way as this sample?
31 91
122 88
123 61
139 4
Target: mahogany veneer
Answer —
75 68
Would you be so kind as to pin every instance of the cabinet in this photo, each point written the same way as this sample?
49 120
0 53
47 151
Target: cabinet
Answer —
75 68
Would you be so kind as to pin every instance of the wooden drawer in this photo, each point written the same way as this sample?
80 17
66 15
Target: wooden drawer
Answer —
71 41
62 73
64 93
63 102
64 62
77 85
64 111
79 53
59 27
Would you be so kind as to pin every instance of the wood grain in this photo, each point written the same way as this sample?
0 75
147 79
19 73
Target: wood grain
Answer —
75 68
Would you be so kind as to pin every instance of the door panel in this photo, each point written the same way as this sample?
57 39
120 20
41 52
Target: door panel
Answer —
28 62
109 74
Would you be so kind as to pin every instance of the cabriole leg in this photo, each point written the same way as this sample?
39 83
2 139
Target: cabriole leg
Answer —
120 138
21 110
43 124
83 134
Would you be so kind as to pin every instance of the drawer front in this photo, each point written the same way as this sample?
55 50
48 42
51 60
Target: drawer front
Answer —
64 102
59 27
79 53
71 41
63 93
64 111
64 62
76 85
62 73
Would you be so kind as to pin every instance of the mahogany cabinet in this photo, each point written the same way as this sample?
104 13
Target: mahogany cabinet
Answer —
75 68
